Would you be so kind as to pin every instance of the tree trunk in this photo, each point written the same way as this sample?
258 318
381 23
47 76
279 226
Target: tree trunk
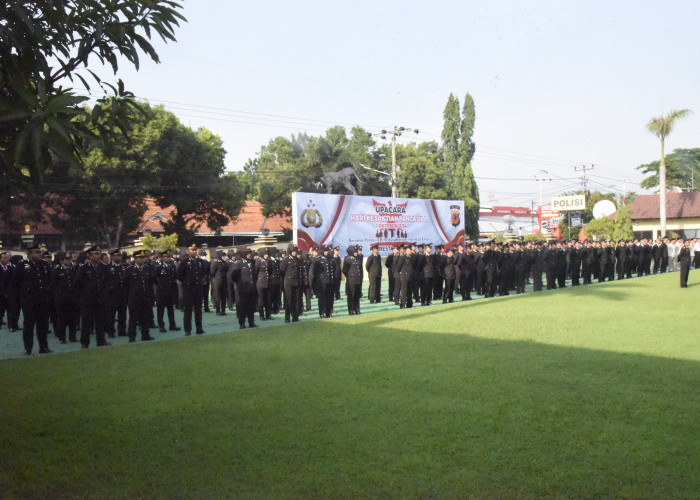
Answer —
662 191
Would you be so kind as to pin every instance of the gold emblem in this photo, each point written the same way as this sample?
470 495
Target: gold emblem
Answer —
311 217
454 215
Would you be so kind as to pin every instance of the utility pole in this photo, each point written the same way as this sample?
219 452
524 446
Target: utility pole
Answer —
539 178
584 169
394 134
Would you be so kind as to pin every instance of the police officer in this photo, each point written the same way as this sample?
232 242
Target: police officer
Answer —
116 294
352 270
190 272
263 268
374 273
166 291
322 276
290 267
91 281
139 282
217 271
243 275
33 277
63 284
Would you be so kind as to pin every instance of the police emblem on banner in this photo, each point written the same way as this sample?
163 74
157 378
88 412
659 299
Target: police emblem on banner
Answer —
310 216
454 215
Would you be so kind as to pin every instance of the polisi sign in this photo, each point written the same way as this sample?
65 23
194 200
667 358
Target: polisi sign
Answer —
569 203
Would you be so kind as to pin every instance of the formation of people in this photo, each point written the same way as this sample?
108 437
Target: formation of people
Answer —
106 294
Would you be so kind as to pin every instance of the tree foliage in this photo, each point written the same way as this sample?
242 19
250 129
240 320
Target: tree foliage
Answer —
622 228
601 228
46 46
458 150
682 170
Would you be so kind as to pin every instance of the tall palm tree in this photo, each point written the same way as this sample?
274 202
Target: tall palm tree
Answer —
661 127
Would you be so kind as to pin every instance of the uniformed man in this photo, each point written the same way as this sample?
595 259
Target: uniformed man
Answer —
243 275
139 282
290 267
206 280
218 270
190 272
389 264
66 297
116 294
91 279
352 270
33 278
406 276
373 267
449 271
684 262
166 291
322 276
263 272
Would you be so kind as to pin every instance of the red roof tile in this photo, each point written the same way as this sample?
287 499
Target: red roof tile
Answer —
251 220
678 206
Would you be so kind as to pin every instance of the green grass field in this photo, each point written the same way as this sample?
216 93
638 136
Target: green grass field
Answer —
494 398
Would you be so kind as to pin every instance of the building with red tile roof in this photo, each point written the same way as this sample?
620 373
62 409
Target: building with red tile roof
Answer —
682 214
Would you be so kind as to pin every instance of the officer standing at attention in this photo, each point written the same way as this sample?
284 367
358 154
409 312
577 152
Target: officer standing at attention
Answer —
374 272
352 269
290 267
65 298
91 279
166 291
243 275
190 272
139 281
684 262
217 271
33 277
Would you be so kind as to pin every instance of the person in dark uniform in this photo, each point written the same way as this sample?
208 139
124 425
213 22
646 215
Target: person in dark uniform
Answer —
449 271
217 271
439 280
116 294
338 267
622 259
275 281
388 263
66 298
243 275
33 278
352 270
263 271
537 265
13 296
406 276
91 279
190 272
374 273
419 263
230 285
290 268
575 263
428 275
166 292
491 268
684 262
505 270
206 281
322 276
139 282
398 257
6 271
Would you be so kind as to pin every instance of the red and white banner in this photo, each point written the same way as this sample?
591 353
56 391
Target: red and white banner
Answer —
343 220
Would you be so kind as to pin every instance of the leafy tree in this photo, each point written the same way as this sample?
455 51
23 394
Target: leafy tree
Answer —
421 174
661 127
161 243
45 46
458 150
682 170
601 228
623 225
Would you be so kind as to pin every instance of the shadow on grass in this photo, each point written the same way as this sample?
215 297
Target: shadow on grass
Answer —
348 413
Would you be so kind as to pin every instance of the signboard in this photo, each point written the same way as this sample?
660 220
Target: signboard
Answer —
344 220
576 219
548 218
569 203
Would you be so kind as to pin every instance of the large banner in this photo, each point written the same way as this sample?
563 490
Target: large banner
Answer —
343 220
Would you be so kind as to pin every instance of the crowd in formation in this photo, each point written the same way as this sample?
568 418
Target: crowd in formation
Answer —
108 294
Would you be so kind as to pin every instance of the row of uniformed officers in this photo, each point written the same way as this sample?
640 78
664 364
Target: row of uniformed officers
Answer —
93 292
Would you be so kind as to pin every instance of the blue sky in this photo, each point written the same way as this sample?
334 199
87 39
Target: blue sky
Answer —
556 84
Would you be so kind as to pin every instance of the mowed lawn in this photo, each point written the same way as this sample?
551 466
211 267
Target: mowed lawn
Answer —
585 392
